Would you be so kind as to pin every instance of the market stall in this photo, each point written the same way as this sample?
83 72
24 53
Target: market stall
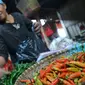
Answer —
62 65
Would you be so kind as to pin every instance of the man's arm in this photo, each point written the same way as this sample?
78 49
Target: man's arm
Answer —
29 25
27 22
3 52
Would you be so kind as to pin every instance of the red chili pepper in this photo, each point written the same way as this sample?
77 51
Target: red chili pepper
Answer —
24 81
71 82
30 84
82 79
9 66
62 60
75 75
83 70
58 74
64 65
59 65
64 70
27 81
55 82
44 81
32 80
6 67
62 75
42 73
80 55
48 69
65 82
81 60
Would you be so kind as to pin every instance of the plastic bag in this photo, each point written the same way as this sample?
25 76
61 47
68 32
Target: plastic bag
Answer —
61 43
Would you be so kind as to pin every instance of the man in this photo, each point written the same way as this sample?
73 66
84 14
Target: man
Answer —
17 38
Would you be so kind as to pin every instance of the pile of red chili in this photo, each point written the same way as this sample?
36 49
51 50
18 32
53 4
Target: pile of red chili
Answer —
64 71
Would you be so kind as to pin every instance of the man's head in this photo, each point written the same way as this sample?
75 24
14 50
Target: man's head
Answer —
3 12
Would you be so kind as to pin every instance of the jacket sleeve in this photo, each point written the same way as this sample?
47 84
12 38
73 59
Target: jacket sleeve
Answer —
28 23
24 19
3 49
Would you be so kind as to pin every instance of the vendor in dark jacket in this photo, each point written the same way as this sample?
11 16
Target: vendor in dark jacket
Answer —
17 38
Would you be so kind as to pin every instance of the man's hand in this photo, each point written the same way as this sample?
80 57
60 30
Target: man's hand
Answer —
3 72
37 27
2 61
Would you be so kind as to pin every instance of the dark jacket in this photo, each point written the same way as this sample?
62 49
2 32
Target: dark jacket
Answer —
12 36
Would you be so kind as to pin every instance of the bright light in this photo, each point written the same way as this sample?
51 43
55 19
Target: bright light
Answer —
42 21
61 32
33 21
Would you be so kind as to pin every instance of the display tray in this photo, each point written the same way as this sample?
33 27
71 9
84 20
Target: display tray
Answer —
36 67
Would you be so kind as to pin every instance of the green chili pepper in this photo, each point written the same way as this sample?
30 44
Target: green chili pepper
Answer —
78 63
38 82
54 74
74 57
76 80
79 84
73 69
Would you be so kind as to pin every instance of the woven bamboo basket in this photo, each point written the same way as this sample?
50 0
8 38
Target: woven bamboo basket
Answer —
36 67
